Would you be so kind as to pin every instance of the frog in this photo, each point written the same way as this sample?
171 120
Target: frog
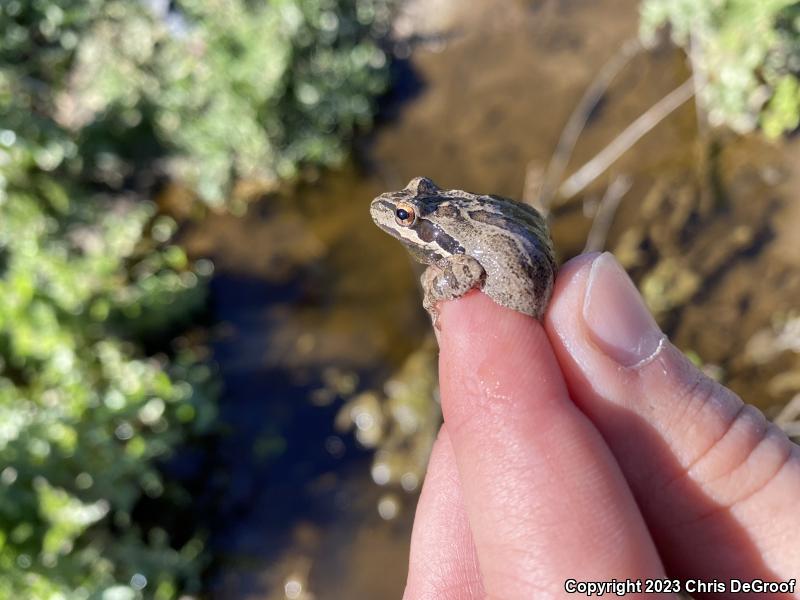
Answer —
471 241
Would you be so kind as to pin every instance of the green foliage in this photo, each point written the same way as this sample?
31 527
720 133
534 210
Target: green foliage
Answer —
220 89
83 415
267 87
98 99
747 52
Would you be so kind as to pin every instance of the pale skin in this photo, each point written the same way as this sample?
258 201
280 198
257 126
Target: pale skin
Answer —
587 447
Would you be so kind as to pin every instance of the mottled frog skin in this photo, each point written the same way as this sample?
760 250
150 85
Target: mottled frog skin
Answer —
471 241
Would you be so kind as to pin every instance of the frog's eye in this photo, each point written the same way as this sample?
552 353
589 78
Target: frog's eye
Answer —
404 215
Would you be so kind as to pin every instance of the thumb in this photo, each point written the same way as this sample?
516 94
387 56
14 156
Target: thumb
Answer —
717 484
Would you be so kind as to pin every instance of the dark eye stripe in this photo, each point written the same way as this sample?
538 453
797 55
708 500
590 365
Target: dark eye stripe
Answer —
428 232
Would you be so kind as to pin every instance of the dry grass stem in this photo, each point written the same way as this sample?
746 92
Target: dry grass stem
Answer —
604 217
584 176
580 115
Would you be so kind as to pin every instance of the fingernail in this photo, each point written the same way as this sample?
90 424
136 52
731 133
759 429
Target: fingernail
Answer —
617 317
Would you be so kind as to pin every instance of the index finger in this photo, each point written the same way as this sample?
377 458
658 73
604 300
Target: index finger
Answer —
545 499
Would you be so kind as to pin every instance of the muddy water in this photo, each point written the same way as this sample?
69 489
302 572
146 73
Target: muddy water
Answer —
313 303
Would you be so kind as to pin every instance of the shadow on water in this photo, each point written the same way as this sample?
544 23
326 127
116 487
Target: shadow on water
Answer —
303 318
275 444
311 303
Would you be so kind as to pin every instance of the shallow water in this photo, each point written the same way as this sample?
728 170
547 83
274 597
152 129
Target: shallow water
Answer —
313 303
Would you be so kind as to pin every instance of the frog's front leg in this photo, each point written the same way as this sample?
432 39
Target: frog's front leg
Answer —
450 278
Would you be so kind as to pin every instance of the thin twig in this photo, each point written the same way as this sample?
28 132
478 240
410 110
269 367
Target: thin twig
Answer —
580 115
792 429
604 217
584 176
790 413
699 78
532 187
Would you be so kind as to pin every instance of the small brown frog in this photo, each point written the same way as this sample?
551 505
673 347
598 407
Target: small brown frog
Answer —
471 241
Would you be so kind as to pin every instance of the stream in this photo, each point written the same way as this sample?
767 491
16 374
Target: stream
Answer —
311 303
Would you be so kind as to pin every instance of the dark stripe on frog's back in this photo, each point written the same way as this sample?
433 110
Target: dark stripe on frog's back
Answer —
535 269
524 224
446 210
535 247
516 212
519 210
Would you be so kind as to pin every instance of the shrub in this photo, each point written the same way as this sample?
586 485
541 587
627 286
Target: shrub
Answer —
747 52
83 414
218 89
98 100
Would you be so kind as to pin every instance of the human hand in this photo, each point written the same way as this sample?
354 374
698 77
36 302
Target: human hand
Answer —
590 449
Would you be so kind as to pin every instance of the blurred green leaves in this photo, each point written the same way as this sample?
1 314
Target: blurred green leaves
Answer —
747 54
100 100
83 415
218 90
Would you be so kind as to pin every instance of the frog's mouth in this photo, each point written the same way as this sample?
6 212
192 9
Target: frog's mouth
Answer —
428 243
392 232
426 256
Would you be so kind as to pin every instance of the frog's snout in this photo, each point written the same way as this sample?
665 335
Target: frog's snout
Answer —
381 210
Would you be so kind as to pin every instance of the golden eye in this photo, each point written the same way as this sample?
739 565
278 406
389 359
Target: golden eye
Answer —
404 215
